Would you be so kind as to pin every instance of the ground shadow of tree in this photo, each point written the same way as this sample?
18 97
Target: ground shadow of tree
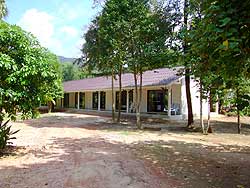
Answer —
86 162
94 161
95 122
199 165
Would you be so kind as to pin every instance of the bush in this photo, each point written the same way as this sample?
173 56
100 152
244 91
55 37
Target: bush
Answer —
6 135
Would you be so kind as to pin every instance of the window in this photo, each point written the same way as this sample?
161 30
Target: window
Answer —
123 100
157 101
103 100
82 100
95 100
66 100
76 100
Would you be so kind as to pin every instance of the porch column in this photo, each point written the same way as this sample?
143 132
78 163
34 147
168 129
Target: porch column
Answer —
127 110
78 100
169 101
99 101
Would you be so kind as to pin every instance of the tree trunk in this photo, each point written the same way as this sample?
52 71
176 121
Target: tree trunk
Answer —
209 128
138 113
189 100
120 95
53 106
113 100
49 106
238 121
238 111
138 122
201 106
187 71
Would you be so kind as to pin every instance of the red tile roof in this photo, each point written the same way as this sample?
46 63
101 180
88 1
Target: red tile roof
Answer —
163 76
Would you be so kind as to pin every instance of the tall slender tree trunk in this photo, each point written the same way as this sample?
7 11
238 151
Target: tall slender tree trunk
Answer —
238 121
187 70
113 96
201 108
49 107
120 94
209 128
138 113
138 121
238 111
189 99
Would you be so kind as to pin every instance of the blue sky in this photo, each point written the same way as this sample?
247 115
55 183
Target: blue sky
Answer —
58 24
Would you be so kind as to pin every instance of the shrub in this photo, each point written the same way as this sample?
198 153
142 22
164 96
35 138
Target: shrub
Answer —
6 134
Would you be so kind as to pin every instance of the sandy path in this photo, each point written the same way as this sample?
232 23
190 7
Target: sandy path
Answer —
59 153
64 150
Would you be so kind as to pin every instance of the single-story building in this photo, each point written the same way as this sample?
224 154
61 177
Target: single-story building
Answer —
163 92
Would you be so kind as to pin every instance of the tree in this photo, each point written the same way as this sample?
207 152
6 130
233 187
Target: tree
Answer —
137 35
98 54
3 9
226 30
26 73
128 32
53 89
197 57
146 38
70 71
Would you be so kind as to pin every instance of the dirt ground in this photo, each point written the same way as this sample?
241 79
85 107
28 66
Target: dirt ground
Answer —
66 150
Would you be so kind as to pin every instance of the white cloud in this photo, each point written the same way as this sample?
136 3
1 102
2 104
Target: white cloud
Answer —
42 25
70 31
60 37
39 24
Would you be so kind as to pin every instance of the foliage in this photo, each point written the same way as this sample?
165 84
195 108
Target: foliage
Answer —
70 71
213 41
6 135
137 34
3 9
132 34
29 73
52 89
219 49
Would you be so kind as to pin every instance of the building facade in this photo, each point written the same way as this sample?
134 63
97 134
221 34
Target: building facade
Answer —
163 92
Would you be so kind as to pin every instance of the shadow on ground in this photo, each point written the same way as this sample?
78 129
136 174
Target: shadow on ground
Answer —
98 162
92 122
75 163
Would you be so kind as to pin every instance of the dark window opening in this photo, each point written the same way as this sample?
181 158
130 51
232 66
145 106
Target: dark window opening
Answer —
123 100
76 100
157 101
66 100
103 100
95 100
82 100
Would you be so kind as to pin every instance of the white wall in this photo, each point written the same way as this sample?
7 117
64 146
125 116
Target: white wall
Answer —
108 104
88 100
176 94
195 97
71 100
144 100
